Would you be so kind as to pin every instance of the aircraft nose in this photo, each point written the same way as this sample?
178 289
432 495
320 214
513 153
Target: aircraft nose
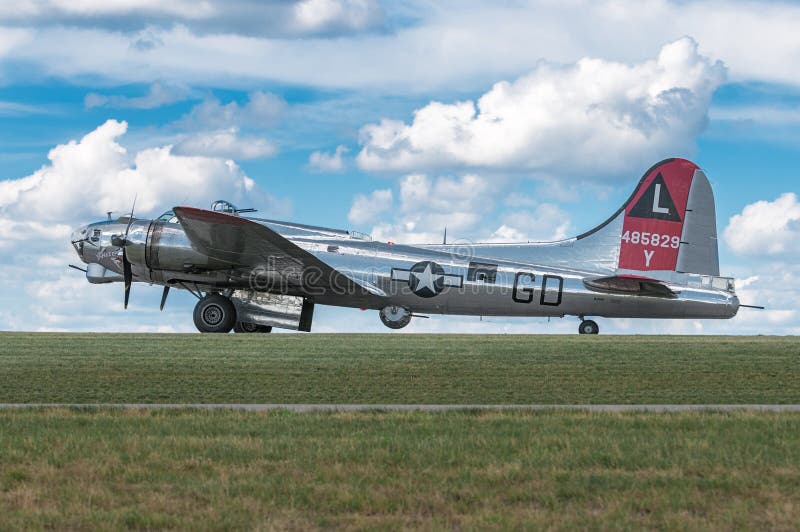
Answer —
78 239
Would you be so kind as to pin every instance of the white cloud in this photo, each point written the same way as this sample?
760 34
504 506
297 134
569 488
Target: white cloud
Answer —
83 179
427 206
88 177
93 8
15 108
278 18
766 228
465 205
159 94
225 143
333 16
367 209
320 161
545 222
10 38
261 109
564 120
449 44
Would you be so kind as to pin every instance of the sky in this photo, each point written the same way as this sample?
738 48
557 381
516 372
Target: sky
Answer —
502 121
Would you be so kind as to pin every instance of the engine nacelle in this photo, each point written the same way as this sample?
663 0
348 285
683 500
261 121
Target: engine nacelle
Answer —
160 245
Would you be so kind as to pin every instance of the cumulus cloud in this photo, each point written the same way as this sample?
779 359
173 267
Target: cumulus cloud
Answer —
83 179
320 161
543 222
367 209
766 228
466 205
275 18
261 109
428 205
88 177
225 143
593 117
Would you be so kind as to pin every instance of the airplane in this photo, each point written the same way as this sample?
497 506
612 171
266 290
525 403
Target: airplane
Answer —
655 257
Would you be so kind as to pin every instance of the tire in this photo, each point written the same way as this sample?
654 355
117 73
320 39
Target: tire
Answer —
214 314
588 327
245 327
395 317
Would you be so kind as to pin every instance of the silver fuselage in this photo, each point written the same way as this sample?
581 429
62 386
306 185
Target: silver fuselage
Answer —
486 280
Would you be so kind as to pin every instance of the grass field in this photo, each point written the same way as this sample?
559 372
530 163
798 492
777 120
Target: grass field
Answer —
111 469
283 368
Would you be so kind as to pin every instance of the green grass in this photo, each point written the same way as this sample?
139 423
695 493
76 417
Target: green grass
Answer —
281 368
100 469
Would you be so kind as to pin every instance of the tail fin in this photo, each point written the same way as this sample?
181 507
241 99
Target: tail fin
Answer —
668 223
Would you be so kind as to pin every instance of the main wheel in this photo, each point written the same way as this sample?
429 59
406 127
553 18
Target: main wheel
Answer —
588 327
214 314
245 327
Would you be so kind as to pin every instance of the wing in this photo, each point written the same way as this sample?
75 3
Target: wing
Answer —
630 284
275 262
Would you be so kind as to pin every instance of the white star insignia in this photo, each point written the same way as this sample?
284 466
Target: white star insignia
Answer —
426 279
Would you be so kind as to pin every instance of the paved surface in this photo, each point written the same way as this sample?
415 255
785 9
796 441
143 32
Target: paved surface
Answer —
407 407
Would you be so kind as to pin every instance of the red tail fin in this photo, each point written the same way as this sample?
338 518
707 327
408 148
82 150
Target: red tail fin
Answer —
654 218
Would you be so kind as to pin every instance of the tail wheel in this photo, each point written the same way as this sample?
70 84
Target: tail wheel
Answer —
588 327
395 317
246 327
214 313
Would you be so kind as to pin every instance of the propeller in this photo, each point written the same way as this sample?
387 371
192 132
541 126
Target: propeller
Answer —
127 272
164 297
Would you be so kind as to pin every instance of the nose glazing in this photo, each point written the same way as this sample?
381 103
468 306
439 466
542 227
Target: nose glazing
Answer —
78 239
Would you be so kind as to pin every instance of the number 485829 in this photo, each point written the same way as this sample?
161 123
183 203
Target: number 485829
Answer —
655 240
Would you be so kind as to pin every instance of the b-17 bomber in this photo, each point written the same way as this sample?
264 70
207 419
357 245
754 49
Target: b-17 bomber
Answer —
655 257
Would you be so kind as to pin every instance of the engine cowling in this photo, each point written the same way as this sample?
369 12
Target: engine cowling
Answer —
162 246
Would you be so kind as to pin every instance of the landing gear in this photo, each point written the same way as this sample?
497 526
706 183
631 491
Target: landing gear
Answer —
214 313
395 317
244 327
588 327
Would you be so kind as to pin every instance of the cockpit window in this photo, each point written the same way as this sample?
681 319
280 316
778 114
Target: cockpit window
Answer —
224 206
168 217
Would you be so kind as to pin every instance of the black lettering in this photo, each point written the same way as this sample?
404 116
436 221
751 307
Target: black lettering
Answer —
526 290
552 294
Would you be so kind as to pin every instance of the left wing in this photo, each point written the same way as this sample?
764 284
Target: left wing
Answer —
244 243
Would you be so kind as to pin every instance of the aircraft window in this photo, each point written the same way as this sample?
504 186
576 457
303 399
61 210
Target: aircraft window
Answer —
223 206
168 217
482 272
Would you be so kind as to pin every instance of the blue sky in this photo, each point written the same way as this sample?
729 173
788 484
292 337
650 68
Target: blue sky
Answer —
503 121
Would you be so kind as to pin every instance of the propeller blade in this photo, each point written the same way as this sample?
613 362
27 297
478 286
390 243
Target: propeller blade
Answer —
130 219
164 297
127 272
127 275
77 268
